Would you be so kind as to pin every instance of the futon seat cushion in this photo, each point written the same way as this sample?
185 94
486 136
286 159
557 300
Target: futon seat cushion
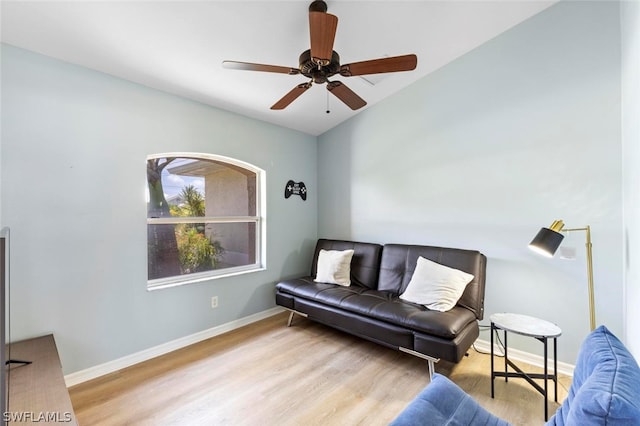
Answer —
381 305
444 403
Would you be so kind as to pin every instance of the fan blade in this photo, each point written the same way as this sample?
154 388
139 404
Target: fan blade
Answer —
291 96
322 27
378 66
248 66
346 95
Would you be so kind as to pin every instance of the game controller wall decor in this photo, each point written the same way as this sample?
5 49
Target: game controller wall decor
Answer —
295 188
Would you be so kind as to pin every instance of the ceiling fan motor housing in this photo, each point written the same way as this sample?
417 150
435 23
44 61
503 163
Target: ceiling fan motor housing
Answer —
318 6
318 73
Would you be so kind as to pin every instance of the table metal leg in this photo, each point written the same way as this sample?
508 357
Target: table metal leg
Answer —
546 378
493 330
555 367
506 376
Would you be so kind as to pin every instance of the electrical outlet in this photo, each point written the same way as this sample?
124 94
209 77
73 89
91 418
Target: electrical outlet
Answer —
214 302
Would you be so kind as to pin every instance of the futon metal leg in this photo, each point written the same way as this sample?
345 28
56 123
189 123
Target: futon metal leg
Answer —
432 369
302 314
431 361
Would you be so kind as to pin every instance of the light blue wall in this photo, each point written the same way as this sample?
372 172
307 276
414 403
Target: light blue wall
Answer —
74 147
523 130
480 154
630 22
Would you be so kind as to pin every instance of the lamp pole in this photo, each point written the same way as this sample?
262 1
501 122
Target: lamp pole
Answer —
592 313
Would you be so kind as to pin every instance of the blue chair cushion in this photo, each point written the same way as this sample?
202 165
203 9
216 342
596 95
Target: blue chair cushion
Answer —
605 391
605 387
443 403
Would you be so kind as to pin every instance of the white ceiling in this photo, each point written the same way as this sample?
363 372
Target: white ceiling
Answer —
178 46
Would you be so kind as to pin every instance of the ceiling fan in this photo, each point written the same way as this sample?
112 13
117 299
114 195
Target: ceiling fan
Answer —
321 62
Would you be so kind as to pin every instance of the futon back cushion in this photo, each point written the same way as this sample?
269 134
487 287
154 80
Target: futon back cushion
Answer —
334 267
436 286
365 262
606 385
399 263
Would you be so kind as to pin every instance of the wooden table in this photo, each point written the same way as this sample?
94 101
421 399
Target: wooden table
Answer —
37 392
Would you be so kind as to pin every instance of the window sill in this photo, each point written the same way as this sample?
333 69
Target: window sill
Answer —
162 283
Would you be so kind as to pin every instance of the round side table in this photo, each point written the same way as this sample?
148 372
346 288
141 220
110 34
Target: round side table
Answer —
540 330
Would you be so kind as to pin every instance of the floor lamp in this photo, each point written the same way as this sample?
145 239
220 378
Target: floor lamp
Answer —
547 241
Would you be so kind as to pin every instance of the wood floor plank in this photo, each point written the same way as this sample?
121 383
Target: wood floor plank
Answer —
270 374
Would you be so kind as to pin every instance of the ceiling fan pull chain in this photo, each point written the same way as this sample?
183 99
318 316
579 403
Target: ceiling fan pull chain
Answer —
328 111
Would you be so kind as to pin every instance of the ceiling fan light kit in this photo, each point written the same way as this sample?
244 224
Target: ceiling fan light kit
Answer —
321 62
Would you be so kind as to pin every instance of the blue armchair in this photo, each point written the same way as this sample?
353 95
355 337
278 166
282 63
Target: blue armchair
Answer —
605 390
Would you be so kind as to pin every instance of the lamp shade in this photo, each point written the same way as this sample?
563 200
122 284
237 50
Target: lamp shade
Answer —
546 242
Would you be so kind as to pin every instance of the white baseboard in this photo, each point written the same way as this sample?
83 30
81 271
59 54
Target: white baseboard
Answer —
147 354
522 356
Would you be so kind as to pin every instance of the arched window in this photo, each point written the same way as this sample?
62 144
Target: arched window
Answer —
205 218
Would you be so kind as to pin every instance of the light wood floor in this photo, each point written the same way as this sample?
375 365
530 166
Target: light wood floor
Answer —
308 374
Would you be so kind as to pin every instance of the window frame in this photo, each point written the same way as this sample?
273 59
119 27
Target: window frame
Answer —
259 220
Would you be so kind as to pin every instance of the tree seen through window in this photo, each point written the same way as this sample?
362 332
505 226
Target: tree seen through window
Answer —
202 217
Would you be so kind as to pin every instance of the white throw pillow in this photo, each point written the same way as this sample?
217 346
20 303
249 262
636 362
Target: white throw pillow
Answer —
436 286
334 267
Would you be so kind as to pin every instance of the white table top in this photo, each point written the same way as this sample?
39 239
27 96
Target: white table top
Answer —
525 325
